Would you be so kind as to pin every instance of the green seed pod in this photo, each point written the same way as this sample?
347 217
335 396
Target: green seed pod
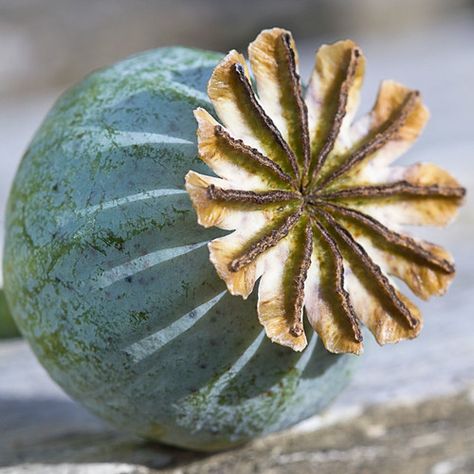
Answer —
108 277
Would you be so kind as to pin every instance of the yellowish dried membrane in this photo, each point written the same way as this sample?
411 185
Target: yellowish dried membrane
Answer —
312 199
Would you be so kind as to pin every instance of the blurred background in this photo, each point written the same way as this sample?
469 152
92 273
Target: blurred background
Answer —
47 45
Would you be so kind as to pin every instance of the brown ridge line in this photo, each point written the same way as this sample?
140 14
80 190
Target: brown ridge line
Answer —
372 267
299 280
340 112
236 195
267 241
344 296
253 154
394 237
398 187
300 103
239 71
377 142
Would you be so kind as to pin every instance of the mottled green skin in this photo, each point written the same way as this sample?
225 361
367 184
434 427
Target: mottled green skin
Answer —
129 345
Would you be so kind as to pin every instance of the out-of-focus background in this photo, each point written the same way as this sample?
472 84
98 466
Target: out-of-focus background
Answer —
411 407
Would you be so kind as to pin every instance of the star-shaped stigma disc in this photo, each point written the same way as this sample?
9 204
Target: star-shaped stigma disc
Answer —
315 206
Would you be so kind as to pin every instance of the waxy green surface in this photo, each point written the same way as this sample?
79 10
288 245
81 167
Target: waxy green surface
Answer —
107 272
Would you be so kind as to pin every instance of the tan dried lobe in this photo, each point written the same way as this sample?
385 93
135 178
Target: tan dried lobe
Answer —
315 207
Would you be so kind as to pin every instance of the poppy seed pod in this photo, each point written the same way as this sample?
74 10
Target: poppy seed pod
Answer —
120 271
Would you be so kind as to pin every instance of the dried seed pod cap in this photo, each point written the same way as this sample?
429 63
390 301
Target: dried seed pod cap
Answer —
315 207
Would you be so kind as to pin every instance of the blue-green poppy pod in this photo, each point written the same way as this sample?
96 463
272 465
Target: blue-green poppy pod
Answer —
107 268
